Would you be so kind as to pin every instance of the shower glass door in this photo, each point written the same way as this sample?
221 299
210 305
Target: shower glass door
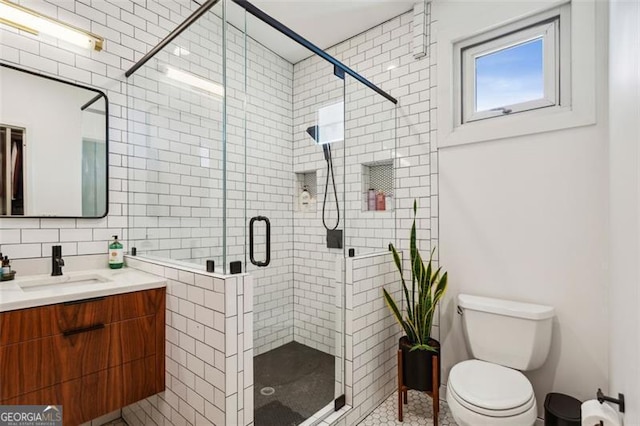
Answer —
286 140
175 149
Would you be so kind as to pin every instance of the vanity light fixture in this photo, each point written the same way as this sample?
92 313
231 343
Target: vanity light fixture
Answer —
194 81
36 23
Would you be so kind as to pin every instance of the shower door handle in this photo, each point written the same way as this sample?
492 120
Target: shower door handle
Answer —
268 256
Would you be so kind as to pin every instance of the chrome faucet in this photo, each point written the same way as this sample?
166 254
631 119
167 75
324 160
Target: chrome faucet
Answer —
56 261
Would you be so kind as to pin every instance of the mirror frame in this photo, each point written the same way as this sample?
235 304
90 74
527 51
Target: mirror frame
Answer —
99 93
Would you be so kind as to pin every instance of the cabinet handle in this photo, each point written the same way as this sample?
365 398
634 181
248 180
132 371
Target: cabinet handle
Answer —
94 327
76 302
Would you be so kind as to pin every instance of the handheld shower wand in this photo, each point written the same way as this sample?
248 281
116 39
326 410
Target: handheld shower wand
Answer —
313 131
326 148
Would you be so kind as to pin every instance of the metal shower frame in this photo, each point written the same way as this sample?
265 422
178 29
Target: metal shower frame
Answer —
339 68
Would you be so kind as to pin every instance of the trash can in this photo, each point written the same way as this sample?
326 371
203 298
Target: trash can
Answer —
561 410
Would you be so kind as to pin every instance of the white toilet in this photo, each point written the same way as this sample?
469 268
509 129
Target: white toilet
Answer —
503 337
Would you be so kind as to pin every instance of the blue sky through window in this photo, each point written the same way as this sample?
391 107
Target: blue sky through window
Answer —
510 76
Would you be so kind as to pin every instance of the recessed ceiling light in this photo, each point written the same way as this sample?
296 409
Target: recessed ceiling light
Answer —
392 66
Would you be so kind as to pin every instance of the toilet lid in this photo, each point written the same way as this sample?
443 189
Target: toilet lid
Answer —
490 386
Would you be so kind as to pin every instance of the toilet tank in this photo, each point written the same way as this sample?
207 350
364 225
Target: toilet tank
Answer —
513 334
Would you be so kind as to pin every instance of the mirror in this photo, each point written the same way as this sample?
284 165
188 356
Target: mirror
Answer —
53 147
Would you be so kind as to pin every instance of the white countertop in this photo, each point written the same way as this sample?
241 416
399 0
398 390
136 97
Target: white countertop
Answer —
39 290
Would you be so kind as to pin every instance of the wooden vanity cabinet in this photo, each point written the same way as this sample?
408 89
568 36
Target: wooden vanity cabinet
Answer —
91 356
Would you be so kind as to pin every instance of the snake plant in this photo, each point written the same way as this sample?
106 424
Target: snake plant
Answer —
430 285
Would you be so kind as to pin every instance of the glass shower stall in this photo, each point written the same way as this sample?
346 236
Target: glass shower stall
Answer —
251 150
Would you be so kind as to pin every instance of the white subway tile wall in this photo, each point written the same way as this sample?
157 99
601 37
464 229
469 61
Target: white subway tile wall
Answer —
371 333
209 352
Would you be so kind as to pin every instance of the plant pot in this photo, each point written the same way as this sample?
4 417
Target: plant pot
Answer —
417 366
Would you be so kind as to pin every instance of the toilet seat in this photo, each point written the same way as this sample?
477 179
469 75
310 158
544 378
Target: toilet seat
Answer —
490 389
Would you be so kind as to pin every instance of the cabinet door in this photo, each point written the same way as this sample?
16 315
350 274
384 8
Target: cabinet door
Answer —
40 363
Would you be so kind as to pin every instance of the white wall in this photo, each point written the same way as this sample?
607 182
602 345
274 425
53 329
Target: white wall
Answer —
624 209
50 113
524 218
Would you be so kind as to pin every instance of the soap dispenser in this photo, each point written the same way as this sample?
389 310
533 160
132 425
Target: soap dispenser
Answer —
6 266
116 254
305 198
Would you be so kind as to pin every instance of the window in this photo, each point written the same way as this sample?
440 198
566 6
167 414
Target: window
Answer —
511 70
331 123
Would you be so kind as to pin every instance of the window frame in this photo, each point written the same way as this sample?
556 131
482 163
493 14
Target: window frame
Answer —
552 26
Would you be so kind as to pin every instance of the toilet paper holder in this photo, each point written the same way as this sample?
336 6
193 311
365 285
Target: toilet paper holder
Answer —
602 398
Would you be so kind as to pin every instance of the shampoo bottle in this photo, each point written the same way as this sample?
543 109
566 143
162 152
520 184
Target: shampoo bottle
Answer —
116 255
380 201
371 199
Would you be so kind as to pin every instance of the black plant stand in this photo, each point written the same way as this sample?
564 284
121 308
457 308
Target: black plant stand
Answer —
434 394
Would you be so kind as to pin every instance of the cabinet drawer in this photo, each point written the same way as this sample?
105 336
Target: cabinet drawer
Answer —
40 363
34 323
80 314
93 395
25 324
137 304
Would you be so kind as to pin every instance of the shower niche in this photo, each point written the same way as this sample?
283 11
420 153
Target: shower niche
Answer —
306 181
378 186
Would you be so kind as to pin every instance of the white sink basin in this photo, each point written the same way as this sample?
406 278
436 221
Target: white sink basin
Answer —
62 282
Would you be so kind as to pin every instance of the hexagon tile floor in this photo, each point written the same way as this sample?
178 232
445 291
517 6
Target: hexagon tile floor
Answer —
417 412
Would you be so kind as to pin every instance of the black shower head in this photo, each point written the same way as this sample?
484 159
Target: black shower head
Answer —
313 132
326 149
